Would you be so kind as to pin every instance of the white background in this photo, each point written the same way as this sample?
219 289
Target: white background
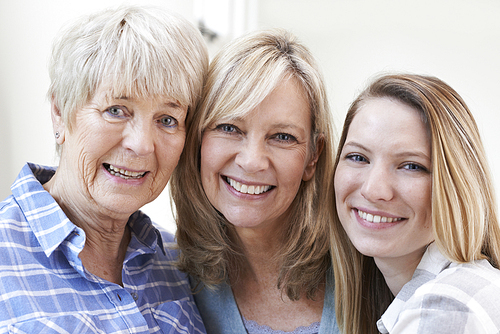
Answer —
455 40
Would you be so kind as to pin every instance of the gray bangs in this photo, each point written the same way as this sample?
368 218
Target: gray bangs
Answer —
145 67
132 52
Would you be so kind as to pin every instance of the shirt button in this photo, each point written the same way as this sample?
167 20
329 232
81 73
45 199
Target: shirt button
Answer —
135 296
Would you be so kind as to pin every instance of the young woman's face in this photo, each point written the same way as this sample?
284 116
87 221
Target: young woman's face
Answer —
252 167
383 182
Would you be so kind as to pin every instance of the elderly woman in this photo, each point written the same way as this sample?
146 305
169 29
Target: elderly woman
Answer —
416 236
76 254
251 191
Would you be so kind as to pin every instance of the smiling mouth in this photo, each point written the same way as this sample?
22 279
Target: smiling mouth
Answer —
247 189
377 219
123 173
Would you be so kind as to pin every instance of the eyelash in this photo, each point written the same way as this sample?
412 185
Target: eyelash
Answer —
235 130
290 137
356 157
122 109
174 122
223 128
416 167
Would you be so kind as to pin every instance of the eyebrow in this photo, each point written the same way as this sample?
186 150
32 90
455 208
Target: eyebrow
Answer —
355 144
275 125
398 154
171 104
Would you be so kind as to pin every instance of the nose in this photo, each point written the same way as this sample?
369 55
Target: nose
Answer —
252 156
138 137
378 184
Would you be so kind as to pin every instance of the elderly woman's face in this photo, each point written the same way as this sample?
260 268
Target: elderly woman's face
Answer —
123 149
383 182
252 167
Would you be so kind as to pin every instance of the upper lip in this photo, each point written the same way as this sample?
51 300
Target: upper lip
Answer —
124 170
247 188
248 183
378 213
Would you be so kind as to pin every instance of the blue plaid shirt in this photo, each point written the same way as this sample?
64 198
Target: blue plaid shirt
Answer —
45 288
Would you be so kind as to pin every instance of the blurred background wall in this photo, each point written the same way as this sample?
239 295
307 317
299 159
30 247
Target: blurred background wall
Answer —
353 40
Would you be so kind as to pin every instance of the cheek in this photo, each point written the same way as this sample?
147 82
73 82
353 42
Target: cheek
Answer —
343 183
423 198
208 162
170 151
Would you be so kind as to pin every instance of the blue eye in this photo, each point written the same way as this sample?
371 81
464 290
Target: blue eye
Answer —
115 111
168 121
356 158
229 128
415 167
285 137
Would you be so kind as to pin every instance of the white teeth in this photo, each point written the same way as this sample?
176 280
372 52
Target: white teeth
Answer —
246 189
376 219
124 174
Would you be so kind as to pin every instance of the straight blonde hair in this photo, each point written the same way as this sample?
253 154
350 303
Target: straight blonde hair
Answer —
240 77
464 211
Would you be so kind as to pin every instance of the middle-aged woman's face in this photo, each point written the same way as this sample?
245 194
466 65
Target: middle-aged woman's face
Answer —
123 149
383 181
252 167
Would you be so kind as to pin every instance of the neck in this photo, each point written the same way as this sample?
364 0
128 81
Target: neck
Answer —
399 271
260 247
107 236
103 254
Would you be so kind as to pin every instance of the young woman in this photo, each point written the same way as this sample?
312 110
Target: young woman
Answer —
416 235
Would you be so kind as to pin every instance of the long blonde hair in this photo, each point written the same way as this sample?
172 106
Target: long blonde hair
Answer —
464 211
240 77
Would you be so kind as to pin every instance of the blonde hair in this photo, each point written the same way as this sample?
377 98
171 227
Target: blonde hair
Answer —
138 51
240 77
464 212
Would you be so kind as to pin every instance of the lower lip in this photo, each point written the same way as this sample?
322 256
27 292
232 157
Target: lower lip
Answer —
374 226
131 181
245 196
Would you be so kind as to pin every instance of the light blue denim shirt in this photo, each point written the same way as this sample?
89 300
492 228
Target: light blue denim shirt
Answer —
44 286
221 315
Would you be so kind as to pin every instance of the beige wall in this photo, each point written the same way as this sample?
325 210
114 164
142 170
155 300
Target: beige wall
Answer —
456 40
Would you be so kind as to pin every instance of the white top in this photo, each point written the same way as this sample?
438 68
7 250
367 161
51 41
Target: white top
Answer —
446 297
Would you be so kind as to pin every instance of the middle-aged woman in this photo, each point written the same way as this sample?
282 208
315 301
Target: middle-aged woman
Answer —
251 191
76 255
416 235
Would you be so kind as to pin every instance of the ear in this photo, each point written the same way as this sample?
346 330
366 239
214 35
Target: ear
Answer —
311 166
57 122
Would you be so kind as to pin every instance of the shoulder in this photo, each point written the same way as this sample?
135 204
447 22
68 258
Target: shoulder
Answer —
13 225
465 281
218 309
463 297
168 242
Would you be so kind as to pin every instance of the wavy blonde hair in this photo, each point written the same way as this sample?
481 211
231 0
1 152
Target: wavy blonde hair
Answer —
464 209
240 77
